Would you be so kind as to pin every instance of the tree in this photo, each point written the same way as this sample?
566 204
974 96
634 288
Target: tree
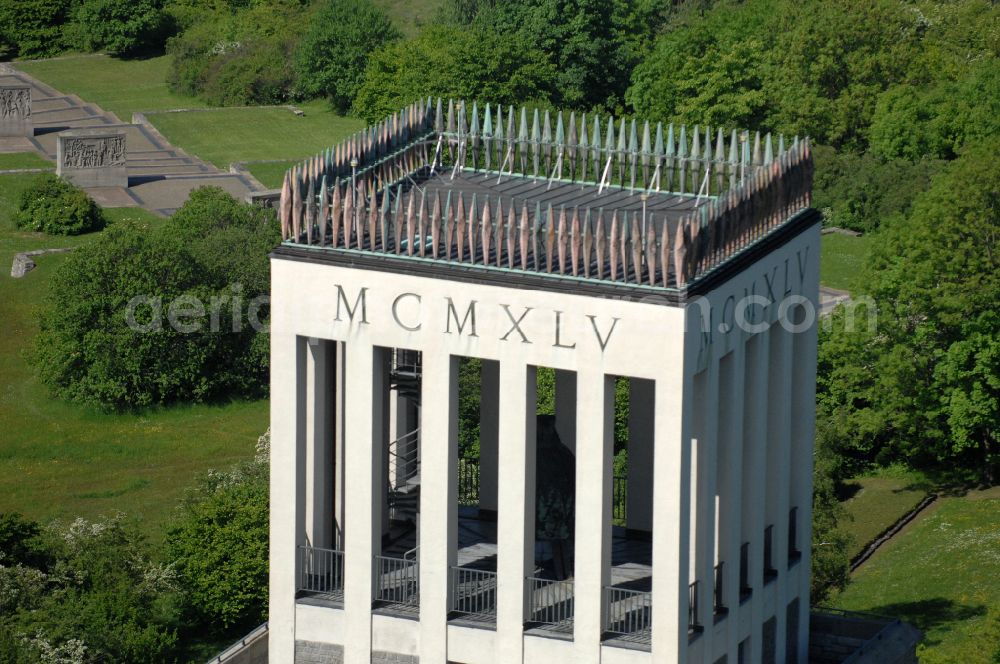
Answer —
120 27
218 545
451 61
922 387
33 28
330 61
141 317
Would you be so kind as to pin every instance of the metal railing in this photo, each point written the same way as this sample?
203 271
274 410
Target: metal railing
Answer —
404 455
397 581
630 614
474 593
321 570
406 362
719 603
694 620
619 500
551 603
468 481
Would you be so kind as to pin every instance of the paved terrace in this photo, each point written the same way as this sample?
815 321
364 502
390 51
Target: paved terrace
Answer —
161 176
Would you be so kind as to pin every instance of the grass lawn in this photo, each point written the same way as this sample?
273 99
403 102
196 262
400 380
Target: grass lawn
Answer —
878 502
246 134
942 574
120 86
841 259
271 174
16 160
59 460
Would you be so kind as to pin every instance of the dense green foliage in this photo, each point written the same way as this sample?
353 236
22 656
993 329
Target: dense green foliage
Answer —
86 592
925 385
32 28
54 206
452 61
330 62
218 545
146 316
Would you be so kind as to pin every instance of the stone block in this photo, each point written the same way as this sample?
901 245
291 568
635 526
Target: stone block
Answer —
15 111
92 157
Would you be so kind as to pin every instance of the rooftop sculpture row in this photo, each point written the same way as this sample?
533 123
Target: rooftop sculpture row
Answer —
381 191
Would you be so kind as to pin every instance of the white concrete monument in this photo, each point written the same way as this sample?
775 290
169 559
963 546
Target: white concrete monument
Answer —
92 157
681 262
15 111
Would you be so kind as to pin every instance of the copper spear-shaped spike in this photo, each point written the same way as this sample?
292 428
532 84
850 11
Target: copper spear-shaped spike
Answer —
436 224
411 223
588 242
665 255
499 235
524 234
399 221
601 245
449 227
422 224
575 241
511 223
550 237
460 230
637 249
486 231
562 238
372 223
286 206
615 241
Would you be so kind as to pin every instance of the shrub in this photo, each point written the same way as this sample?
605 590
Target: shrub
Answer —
52 205
330 61
219 547
148 316
33 28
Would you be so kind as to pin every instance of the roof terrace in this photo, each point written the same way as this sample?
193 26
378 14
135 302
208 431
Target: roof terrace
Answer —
578 199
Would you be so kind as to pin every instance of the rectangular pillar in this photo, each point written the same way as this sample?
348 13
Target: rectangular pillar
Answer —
288 434
364 430
319 445
566 404
15 111
639 494
703 510
339 424
489 422
438 530
516 519
755 478
730 464
671 518
778 472
595 445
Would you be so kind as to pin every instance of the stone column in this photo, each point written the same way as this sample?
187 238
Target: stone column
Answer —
489 422
92 157
319 445
592 571
755 478
706 406
778 472
671 516
364 428
438 501
15 111
516 519
639 495
566 403
730 464
339 377
288 434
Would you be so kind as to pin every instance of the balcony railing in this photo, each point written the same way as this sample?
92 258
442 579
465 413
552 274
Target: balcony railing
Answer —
321 571
630 614
619 500
397 581
551 603
406 362
694 619
474 593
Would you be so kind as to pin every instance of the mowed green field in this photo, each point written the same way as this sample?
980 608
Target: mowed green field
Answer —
271 174
942 574
59 460
224 136
879 501
841 260
18 160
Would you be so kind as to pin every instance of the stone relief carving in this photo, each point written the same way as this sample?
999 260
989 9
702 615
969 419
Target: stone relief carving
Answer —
94 152
15 103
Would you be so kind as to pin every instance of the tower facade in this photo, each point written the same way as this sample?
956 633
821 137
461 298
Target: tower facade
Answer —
662 284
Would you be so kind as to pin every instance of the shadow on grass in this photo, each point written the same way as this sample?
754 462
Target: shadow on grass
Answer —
847 490
937 613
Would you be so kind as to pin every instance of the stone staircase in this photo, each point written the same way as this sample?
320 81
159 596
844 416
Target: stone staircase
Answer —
160 175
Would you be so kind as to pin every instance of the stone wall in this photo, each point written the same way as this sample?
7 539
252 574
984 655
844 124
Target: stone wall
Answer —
92 158
313 652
